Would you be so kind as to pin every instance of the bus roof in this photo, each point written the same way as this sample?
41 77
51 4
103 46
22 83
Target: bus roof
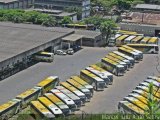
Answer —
40 107
142 45
117 35
110 61
153 39
8 104
69 86
45 101
127 50
127 32
124 55
74 83
46 53
80 80
26 93
146 39
46 81
136 39
115 59
53 98
130 37
122 37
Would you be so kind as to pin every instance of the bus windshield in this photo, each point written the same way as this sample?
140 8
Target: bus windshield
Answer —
100 85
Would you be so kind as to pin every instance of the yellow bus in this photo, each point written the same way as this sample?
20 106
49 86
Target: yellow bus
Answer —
9 109
81 95
134 50
145 40
80 87
110 76
48 83
130 53
129 64
146 48
153 40
50 106
44 56
113 67
117 60
54 99
40 111
127 32
84 83
95 81
29 95
137 39
120 40
126 107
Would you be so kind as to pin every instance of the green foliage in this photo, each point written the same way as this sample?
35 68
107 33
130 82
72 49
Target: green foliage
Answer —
66 20
21 16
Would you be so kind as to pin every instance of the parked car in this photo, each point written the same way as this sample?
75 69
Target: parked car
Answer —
70 51
60 52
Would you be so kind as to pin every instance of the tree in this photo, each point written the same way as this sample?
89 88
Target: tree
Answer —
78 10
49 21
66 20
106 29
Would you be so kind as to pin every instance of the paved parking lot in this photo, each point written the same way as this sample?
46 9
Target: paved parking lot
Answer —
65 66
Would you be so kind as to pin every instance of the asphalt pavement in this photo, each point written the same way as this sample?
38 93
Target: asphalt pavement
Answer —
65 66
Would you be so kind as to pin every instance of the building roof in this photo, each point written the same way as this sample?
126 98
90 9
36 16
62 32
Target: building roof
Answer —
87 33
148 6
18 38
72 37
7 1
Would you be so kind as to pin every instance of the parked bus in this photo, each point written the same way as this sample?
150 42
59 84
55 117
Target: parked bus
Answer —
120 40
117 61
154 78
129 53
127 32
117 35
134 50
7 110
131 59
108 74
54 99
153 40
51 106
48 83
113 67
137 39
95 81
80 88
40 111
29 95
71 95
44 56
128 39
65 99
145 40
129 108
99 74
84 83
121 59
136 102
81 95
146 48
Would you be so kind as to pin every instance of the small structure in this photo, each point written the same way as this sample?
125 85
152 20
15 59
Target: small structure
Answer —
147 7
71 41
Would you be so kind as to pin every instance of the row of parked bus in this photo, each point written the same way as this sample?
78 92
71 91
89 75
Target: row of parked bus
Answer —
118 62
122 39
137 101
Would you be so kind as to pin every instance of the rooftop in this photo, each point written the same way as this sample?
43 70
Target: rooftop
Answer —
72 37
18 38
7 1
148 6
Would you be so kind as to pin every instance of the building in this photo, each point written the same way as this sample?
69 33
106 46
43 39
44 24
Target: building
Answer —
147 7
84 5
16 4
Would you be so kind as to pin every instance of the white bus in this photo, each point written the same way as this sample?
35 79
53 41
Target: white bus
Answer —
54 99
113 66
81 95
40 111
65 99
9 109
44 56
84 83
130 53
80 88
95 81
109 75
71 95
50 106
99 74
128 39
131 59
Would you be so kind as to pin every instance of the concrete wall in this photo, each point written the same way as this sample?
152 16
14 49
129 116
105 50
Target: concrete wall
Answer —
140 28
